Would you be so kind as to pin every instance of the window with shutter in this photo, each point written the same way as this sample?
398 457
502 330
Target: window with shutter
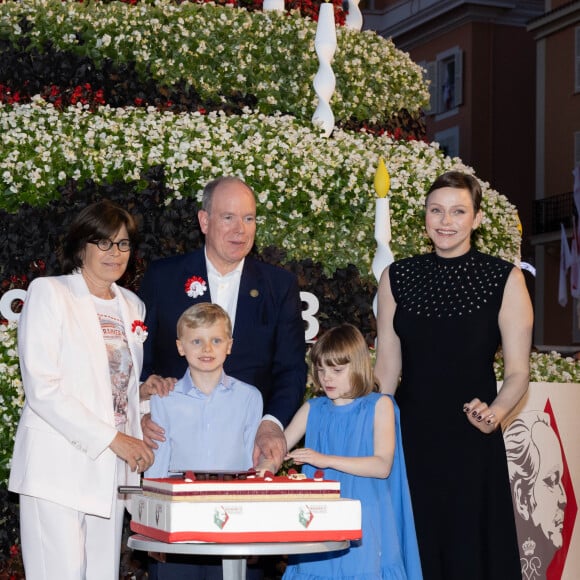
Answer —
449 67
430 75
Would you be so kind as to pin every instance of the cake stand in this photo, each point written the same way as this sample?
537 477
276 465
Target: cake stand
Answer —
233 555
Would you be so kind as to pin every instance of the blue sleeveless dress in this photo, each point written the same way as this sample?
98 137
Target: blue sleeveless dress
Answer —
388 550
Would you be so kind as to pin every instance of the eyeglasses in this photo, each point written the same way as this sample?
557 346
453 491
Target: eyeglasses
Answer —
105 245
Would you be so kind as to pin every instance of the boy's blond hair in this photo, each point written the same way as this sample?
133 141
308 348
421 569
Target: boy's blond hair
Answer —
202 315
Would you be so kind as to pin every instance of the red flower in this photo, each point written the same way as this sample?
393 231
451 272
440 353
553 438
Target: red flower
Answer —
138 324
139 330
195 286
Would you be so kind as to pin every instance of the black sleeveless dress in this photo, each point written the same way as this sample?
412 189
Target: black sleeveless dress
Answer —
447 322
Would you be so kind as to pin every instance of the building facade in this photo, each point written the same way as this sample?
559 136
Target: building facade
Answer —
505 98
557 36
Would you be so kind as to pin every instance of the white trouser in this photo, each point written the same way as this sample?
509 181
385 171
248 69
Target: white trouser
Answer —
60 543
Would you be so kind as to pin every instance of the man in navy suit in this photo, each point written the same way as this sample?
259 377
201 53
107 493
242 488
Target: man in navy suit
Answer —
262 300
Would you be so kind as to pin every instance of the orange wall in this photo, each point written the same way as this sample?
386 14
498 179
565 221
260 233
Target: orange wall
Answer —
562 119
496 121
562 112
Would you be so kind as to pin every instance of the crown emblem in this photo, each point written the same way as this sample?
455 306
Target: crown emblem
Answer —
529 547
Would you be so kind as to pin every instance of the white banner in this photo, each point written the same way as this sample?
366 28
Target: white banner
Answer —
309 313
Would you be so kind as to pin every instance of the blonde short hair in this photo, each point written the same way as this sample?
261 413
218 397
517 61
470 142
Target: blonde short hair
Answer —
201 315
343 345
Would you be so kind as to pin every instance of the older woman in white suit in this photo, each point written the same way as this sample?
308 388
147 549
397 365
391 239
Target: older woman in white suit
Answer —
80 342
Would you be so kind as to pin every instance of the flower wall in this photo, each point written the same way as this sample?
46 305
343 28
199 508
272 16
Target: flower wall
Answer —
123 99
316 193
220 51
144 102
11 395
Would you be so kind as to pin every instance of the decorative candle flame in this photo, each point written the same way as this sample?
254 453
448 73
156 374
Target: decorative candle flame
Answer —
382 179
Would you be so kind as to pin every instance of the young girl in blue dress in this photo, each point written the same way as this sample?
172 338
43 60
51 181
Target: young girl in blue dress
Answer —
353 434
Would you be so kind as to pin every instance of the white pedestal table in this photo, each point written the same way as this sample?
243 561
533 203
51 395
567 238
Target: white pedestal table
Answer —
233 555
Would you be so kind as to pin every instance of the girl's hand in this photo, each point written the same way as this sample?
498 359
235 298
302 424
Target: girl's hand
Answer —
481 416
305 455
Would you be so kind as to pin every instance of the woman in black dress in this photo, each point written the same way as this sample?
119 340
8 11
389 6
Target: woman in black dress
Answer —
441 318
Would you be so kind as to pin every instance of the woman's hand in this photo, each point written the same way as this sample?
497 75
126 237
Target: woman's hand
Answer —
156 385
481 416
134 451
151 431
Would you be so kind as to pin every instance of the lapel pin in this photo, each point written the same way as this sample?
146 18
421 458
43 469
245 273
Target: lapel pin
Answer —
254 293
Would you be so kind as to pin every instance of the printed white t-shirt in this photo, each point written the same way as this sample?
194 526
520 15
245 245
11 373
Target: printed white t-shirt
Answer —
120 361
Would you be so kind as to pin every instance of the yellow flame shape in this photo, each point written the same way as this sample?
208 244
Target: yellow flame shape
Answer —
382 179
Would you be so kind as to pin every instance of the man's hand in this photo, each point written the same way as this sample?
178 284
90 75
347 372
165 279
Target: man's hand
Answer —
264 467
156 385
269 445
151 431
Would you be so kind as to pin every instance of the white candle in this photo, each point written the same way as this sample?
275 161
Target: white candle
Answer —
324 81
382 220
383 256
354 17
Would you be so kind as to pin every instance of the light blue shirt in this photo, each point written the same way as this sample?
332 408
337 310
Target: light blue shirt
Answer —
212 432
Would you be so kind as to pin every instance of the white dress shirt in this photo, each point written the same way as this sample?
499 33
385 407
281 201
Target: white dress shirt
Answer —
224 289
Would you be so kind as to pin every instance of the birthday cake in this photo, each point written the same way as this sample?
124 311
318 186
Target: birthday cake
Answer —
250 509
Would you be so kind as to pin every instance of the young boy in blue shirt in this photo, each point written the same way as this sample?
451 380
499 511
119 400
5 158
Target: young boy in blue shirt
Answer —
210 419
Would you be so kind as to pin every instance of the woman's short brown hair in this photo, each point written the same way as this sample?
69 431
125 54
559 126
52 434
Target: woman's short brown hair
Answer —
99 221
459 180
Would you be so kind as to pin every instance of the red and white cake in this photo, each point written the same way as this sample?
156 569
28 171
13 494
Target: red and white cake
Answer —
270 509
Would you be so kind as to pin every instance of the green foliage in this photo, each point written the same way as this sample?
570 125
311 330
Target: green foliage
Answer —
316 193
221 51
11 396
546 367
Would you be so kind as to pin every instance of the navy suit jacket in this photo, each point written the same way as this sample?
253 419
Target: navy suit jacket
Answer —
269 347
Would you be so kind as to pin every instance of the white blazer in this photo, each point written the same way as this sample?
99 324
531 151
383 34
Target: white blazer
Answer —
61 451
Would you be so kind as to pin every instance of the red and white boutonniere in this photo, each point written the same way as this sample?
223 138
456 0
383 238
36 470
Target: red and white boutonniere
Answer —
195 287
139 329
